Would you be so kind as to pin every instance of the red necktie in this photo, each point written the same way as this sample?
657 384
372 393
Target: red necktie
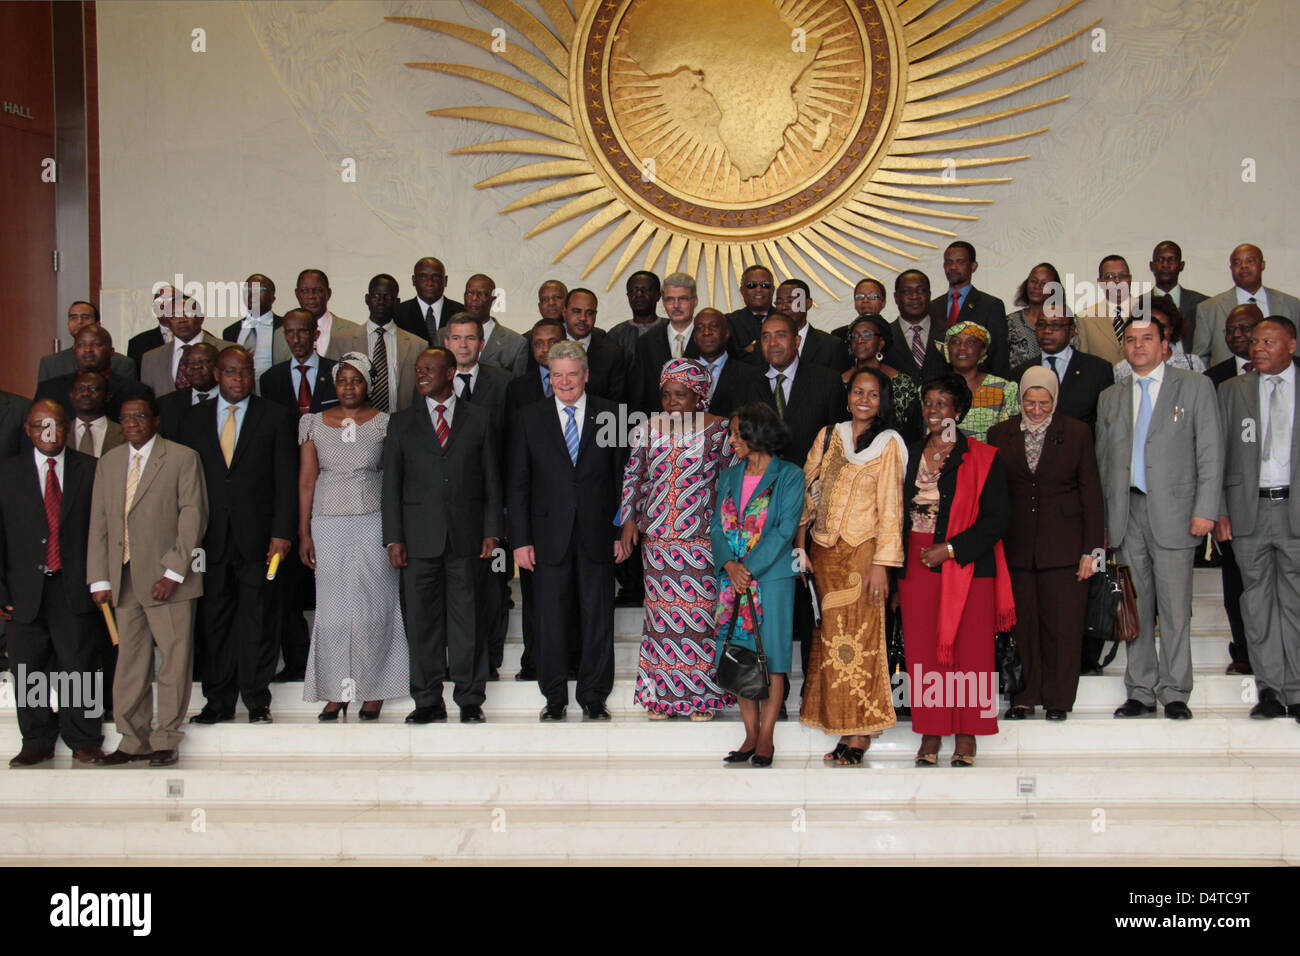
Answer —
955 309
53 502
1248 367
443 430
182 377
304 391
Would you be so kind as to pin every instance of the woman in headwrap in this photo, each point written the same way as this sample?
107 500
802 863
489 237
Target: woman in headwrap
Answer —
954 589
669 488
358 641
993 399
1053 543
853 511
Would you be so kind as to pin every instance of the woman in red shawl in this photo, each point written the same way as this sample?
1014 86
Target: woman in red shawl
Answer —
954 588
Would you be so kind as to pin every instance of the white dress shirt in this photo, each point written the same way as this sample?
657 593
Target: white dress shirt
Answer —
686 334
1062 361
324 325
1275 472
142 453
98 431
489 327
907 328
313 373
1260 297
458 383
42 468
264 325
197 396
424 308
789 373
390 349
448 410
1157 377
715 372
1241 364
579 415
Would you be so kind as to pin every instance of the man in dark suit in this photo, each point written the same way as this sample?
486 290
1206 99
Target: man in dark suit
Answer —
642 298
13 419
794 298
152 338
916 335
442 521
201 368
305 383
1166 266
428 310
756 288
249 452
44 526
564 488
965 303
1240 323
673 340
94 351
91 432
256 331
1083 377
1259 515
732 382
528 389
160 369
806 397
80 315
605 360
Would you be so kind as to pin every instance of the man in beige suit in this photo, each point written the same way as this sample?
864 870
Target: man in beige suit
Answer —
1099 325
392 350
160 368
313 294
148 514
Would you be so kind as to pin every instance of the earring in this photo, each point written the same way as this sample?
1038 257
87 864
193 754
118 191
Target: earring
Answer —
880 356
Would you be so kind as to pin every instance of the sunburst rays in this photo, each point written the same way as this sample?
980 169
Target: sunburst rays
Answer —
877 227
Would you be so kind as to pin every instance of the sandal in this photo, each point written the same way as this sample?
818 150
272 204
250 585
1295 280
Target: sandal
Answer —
835 754
963 760
926 760
699 716
851 757
657 715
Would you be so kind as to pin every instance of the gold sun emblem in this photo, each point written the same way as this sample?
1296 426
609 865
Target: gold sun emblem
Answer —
800 134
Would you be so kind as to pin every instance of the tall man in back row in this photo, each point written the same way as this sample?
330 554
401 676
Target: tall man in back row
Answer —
964 302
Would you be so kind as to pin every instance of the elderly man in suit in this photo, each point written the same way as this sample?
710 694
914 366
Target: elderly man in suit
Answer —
428 310
147 517
1166 266
916 336
313 294
756 290
963 302
565 479
1258 515
442 520
732 382
674 339
64 362
94 353
201 369
643 293
93 433
52 634
161 369
1246 263
1160 453
256 331
250 461
391 350
502 347
1083 377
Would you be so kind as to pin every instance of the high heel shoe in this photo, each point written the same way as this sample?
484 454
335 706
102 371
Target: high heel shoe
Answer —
364 714
327 715
738 756
762 761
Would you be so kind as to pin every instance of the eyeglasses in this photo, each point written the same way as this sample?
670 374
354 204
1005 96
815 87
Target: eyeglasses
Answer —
863 336
1115 276
869 295
758 285
1053 326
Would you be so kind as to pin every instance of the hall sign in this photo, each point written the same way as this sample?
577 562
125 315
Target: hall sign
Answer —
806 135
17 109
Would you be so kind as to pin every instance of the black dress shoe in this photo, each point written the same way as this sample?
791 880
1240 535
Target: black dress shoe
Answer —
1092 670
1054 714
259 715
527 674
164 758
287 676
595 711
91 754
627 599
761 761
432 714
1293 710
1018 713
494 674
209 715
738 756
1240 667
1134 708
30 757
1177 710
473 714
552 712
119 757
1269 706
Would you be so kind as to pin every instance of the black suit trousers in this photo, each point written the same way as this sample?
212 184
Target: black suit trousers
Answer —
58 641
1232 588
587 586
444 628
295 594
241 634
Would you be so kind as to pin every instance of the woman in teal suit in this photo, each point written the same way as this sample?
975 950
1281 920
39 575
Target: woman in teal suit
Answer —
760 501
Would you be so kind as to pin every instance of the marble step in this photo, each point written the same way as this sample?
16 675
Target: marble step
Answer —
886 777
895 833
1217 732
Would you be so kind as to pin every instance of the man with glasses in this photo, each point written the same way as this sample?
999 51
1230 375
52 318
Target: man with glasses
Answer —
916 335
756 289
1246 264
1101 323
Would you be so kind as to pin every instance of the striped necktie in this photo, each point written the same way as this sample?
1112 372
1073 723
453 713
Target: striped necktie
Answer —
441 424
379 373
778 396
571 433
53 503
132 480
918 347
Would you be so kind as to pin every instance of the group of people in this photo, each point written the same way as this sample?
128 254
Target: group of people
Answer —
951 475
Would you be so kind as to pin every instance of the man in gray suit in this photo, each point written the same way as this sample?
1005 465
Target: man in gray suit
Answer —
160 368
1258 514
1160 452
64 362
1247 265
501 347
313 294
1166 266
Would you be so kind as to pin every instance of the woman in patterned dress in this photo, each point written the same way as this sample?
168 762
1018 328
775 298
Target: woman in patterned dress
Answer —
869 339
669 487
853 503
358 642
994 399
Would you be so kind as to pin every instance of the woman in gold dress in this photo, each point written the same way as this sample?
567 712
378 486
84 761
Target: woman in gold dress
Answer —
853 512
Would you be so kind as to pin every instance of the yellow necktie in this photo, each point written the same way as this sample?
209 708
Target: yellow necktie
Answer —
132 480
228 435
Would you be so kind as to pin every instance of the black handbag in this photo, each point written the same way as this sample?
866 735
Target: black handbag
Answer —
741 671
1011 670
1112 606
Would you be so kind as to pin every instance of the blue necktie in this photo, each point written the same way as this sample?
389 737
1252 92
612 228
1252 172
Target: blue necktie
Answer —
1140 437
571 433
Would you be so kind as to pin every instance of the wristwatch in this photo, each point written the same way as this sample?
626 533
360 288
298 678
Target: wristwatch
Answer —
951 553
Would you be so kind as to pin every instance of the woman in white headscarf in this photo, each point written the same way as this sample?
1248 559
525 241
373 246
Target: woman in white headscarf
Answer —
1053 542
358 642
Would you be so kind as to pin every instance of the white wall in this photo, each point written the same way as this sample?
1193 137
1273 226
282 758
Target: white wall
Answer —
222 163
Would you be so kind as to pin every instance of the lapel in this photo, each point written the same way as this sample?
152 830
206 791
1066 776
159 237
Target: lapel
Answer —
1162 415
457 426
1053 439
798 388
588 431
112 437
1295 417
769 477
1250 383
151 468
34 481
1016 452
252 417
554 429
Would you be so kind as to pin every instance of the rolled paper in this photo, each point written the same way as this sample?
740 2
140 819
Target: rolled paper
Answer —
108 619
273 567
